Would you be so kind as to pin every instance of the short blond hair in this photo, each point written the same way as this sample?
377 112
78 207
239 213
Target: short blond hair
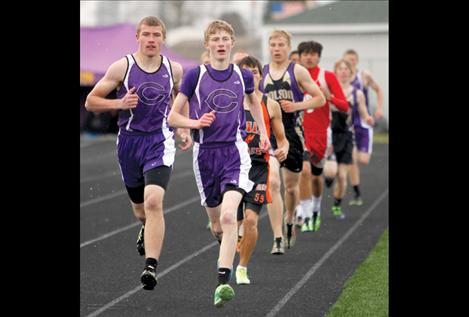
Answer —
343 61
218 25
281 33
152 21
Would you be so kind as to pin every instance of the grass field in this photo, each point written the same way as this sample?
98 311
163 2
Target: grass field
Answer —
366 292
382 138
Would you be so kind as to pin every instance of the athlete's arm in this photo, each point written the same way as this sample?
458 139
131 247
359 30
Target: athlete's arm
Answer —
369 81
278 130
337 96
362 110
179 116
256 111
176 118
183 133
307 84
96 100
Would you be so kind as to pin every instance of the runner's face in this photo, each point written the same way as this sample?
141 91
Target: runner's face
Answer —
343 73
150 40
309 60
257 75
220 45
352 59
295 58
279 49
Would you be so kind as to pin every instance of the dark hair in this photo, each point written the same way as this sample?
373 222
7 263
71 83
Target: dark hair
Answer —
310 47
251 61
293 52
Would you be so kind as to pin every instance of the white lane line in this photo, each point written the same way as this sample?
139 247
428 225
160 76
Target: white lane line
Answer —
102 198
167 211
121 192
139 287
318 264
169 269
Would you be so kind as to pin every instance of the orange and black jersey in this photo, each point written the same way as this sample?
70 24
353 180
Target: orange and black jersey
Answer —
252 137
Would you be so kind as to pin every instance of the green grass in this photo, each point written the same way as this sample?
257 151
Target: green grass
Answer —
366 292
381 138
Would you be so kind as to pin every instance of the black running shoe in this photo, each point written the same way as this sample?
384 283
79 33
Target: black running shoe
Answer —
148 278
140 246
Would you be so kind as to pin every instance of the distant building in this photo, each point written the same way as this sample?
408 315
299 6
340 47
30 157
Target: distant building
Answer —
341 25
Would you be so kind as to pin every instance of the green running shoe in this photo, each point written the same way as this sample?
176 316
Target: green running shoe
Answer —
357 201
140 245
242 276
223 294
337 211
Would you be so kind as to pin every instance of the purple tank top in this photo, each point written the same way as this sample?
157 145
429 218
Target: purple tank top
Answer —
225 97
357 82
154 95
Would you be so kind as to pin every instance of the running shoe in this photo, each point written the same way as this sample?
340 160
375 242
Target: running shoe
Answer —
242 276
148 278
223 294
357 201
337 212
316 222
278 247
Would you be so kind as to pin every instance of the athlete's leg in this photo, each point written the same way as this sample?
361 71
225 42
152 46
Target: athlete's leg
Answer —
340 189
306 193
249 237
330 171
136 200
363 158
354 169
229 207
275 208
154 225
341 185
139 211
213 214
290 181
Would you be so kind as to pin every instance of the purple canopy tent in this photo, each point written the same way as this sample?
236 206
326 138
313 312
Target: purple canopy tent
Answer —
101 46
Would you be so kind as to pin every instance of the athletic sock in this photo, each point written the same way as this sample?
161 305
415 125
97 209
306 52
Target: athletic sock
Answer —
223 275
356 190
151 261
317 204
337 201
